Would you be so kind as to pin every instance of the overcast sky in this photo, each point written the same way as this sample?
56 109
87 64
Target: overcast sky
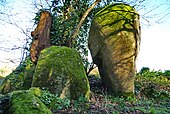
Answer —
155 44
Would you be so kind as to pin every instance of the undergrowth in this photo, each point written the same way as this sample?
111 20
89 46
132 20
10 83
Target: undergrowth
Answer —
152 96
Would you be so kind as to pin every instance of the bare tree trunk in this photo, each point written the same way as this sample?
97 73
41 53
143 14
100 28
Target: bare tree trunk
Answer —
41 36
75 33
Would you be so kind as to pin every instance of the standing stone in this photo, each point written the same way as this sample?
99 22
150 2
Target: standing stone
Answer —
60 70
41 36
114 41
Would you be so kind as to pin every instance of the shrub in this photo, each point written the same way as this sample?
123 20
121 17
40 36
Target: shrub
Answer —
54 102
144 70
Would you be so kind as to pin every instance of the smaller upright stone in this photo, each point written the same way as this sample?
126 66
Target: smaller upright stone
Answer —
60 70
41 36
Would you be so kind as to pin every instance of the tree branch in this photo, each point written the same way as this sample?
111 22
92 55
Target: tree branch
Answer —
75 33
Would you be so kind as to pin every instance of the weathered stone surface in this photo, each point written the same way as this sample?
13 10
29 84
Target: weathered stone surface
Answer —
41 36
114 43
24 102
60 70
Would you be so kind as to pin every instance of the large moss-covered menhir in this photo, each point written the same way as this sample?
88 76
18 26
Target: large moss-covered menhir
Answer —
60 70
114 41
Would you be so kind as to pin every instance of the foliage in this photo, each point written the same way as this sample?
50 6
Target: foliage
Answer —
151 90
151 97
2 72
65 17
54 101
167 73
144 70
81 105
16 80
152 84
1 79
154 76
4 104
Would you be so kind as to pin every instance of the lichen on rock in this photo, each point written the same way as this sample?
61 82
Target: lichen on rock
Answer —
60 70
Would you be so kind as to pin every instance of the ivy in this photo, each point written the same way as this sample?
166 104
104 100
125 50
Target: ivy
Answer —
65 17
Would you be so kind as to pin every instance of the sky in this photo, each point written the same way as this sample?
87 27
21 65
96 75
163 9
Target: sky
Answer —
12 39
155 47
155 40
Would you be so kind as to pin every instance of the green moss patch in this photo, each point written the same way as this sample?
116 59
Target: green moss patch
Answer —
116 14
60 70
24 102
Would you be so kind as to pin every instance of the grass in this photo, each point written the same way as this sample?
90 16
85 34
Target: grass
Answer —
152 96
